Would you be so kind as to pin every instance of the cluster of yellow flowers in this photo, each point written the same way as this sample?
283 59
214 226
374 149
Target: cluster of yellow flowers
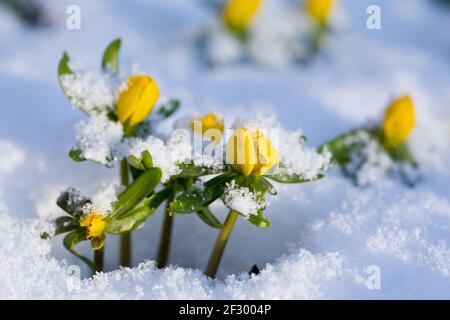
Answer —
319 10
249 153
238 15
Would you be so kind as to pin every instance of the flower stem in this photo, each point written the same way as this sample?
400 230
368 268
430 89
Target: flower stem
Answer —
98 258
125 239
166 235
221 242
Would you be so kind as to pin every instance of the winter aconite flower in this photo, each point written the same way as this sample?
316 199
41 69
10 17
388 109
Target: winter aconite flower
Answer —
208 121
238 14
250 153
398 121
137 100
94 224
319 9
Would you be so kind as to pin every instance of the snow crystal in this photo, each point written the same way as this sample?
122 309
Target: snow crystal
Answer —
297 158
102 200
91 91
198 185
161 155
99 139
242 200
74 196
177 150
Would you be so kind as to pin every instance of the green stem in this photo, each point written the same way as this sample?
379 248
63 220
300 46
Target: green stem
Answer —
125 239
221 242
166 235
98 258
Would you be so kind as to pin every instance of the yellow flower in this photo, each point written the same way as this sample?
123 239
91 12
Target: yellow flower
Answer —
319 9
250 153
209 121
94 224
399 119
238 14
137 100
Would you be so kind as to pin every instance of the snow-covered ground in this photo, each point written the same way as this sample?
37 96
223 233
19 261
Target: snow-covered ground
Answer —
323 235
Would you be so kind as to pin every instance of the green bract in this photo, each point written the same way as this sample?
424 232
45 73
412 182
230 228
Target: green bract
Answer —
348 151
198 200
133 206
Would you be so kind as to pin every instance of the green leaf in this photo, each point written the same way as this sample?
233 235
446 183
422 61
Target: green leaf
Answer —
142 163
135 162
259 220
147 159
76 155
45 236
258 185
63 70
110 60
65 224
343 146
189 170
71 240
194 200
165 111
283 177
132 219
63 66
401 153
209 218
72 202
137 191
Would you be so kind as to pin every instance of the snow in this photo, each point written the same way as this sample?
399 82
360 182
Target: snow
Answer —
324 237
91 91
99 139
102 200
242 200
161 154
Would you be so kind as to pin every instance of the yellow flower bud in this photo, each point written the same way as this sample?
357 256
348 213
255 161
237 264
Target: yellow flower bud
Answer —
94 224
319 9
267 155
137 100
238 14
250 152
209 121
399 119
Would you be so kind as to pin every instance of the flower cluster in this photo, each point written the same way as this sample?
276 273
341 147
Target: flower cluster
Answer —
266 31
205 159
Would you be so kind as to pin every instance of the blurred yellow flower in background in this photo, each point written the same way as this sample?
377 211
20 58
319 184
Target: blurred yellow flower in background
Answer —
399 120
137 100
250 153
208 121
94 224
238 14
319 9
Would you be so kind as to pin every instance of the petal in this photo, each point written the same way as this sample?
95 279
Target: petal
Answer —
241 151
267 154
147 98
